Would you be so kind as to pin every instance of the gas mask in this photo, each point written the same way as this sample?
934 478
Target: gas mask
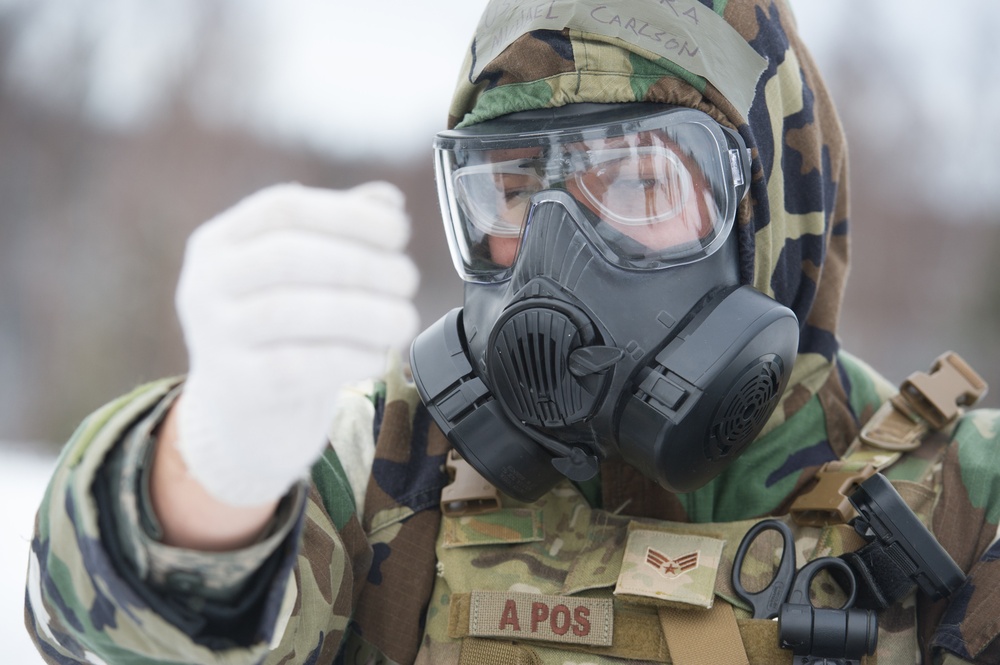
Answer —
603 312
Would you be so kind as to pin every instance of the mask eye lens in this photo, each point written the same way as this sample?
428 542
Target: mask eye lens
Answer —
653 189
514 192
496 200
638 187
648 195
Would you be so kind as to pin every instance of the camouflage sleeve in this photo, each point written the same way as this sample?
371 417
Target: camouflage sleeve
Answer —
101 589
965 521
189 575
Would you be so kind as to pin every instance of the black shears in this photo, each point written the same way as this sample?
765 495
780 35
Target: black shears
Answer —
841 635
787 585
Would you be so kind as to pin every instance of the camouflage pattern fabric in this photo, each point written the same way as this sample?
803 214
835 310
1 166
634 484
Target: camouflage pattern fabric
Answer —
401 520
84 602
339 588
88 597
965 522
87 600
580 558
80 603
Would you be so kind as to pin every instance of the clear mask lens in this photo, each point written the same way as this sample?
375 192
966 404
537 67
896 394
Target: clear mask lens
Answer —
637 187
661 192
495 197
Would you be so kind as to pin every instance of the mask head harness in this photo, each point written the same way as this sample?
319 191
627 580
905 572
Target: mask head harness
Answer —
603 313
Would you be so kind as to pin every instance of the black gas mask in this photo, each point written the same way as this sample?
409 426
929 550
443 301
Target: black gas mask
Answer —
603 313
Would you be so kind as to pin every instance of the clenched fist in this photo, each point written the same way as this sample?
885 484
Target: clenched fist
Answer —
283 299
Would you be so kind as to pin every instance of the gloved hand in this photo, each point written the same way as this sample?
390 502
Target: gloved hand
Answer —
283 299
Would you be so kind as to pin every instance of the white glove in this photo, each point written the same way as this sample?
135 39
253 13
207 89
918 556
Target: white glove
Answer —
283 299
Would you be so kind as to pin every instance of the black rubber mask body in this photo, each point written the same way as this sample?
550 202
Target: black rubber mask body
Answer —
574 360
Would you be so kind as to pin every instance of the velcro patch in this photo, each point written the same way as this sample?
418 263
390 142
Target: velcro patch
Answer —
670 566
530 616
506 526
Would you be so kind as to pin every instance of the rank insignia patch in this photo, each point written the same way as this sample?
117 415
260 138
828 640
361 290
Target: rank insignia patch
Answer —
668 566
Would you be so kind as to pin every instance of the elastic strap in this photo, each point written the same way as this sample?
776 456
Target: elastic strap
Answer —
703 637
882 578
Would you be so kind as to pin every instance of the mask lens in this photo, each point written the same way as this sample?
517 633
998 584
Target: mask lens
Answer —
647 194
635 188
657 188
495 197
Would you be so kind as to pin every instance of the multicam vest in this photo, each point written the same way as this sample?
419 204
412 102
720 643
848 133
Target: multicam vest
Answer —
540 583
559 581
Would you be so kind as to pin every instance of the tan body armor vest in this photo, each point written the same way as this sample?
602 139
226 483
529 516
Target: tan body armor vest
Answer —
542 583
559 582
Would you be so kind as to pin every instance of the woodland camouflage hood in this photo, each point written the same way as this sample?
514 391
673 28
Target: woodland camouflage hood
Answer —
742 63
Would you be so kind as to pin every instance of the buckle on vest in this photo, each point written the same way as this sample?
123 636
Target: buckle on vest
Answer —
894 428
940 396
468 493
826 502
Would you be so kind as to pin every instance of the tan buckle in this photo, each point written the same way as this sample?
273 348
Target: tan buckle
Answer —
826 502
940 395
894 427
468 493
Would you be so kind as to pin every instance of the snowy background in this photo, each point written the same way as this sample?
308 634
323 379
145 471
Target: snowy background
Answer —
23 475
914 82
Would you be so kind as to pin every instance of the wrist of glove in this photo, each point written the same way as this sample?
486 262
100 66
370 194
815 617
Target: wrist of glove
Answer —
283 300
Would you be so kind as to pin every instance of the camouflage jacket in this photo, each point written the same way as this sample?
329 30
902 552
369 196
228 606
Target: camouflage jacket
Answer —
328 584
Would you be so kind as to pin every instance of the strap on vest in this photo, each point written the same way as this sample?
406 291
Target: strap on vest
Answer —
880 578
477 651
703 637
926 402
